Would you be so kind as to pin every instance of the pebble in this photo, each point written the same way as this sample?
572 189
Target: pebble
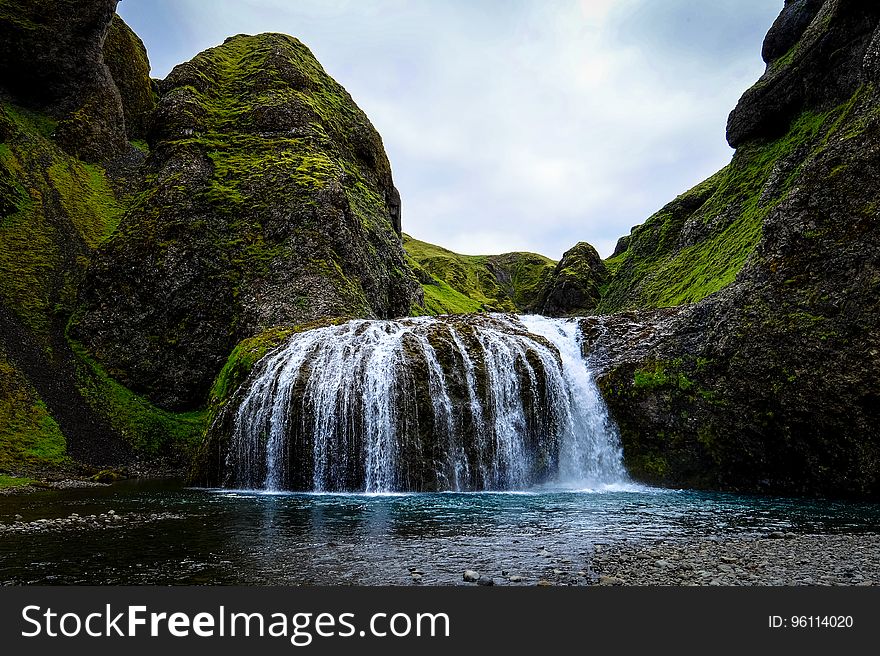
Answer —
785 559
74 521
515 578
485 580
471 576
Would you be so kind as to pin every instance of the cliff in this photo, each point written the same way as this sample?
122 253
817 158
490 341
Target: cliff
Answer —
149 226
763 378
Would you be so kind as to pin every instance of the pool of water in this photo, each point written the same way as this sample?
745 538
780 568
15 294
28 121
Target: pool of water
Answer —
248 538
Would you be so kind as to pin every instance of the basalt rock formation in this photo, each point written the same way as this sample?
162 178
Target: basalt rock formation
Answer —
254 194
768 383
51 60
575 286
267 199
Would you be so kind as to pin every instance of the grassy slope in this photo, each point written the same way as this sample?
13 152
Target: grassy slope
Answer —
54 212
663 267
29 437
459 284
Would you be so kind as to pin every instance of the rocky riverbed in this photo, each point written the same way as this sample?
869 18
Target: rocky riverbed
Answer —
777 559
76 522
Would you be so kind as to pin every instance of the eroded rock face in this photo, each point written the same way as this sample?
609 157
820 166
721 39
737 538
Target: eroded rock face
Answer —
818 54
51 59
267 201
126 57
768 383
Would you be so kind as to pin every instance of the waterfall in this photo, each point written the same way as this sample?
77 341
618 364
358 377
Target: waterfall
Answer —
480 402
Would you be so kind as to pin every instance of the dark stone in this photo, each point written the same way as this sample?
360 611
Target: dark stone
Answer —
822 64
126 57
789 27
574 287
267 200
51 60
768 385
622 245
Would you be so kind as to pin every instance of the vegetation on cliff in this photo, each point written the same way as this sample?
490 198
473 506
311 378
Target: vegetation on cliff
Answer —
769 384
460 284
267 200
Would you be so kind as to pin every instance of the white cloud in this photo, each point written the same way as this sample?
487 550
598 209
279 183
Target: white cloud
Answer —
518 124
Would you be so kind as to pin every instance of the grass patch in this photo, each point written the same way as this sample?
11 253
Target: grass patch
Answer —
148 429
474 283
29 437
14 481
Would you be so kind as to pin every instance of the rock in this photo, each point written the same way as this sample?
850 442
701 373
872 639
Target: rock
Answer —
776 535
574 287
126 58
417 578
789 27
610 580
515 578
301 205
544 583
471 576
720 375
729 559
485 580
825 46
51 60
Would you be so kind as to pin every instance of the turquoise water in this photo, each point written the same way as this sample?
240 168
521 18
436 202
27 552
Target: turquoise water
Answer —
228 537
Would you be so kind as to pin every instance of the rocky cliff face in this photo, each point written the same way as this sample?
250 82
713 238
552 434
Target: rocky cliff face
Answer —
267 200
51 59
769 384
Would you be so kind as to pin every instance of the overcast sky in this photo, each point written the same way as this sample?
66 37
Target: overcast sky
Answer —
514 124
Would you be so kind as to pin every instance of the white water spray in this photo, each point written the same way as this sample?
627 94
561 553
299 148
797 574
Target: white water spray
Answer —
478 403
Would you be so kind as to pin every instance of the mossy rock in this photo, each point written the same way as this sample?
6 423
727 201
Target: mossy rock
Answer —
126 57
268 201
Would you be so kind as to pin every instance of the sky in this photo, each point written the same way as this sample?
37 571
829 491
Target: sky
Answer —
514 125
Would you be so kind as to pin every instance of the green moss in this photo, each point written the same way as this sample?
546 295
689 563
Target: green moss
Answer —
660 375
460 284
148 429
440 298
126 57
87 199
657 270
31 121
15 481
242 359
56 210
649 467
29 437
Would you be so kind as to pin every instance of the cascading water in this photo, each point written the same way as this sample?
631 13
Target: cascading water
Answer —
453 403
